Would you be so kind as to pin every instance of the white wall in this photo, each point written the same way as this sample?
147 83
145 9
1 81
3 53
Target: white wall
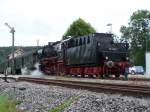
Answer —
148 63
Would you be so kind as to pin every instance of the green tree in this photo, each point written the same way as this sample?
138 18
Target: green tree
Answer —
137 34
79 28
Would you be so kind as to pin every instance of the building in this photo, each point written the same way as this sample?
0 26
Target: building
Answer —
17 53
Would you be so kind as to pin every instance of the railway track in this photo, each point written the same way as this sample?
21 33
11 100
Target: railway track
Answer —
96 87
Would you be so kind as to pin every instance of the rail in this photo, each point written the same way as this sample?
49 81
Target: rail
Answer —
92 86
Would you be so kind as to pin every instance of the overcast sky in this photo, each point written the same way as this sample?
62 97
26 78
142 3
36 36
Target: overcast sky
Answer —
48 20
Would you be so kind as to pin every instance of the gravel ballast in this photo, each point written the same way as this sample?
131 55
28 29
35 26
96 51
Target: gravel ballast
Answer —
42 98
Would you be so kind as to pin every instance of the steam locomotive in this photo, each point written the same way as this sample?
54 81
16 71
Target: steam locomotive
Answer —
93 55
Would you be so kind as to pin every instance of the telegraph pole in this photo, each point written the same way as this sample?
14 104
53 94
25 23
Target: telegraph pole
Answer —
12 30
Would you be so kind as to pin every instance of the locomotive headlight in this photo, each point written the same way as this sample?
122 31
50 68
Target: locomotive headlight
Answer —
106 58
127 58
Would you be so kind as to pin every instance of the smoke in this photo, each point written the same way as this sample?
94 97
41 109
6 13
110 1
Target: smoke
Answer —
36 72
25 71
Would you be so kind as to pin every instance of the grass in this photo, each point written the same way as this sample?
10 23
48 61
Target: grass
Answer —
8 106
64 105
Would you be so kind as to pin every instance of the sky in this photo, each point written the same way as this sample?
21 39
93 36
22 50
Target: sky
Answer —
48 20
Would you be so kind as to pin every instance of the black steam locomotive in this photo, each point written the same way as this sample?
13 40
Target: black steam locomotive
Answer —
95 54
